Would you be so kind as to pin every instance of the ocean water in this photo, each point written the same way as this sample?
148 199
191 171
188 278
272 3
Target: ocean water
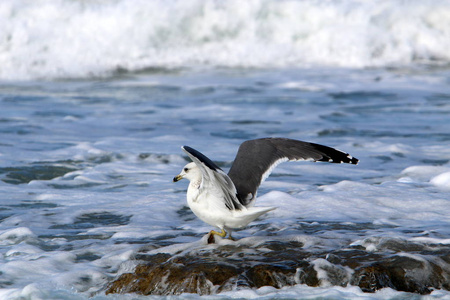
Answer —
97 97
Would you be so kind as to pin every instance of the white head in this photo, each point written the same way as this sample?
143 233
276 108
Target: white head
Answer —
190 172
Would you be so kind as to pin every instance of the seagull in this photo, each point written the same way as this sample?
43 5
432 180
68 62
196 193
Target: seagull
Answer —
225 200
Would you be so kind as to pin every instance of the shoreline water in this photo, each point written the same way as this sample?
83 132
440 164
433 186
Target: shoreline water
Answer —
97 97
86 169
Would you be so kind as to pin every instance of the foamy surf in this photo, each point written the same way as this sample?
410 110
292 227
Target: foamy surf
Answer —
86 166
84 39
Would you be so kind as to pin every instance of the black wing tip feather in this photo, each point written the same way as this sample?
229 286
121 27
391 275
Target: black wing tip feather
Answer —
335 156
353 160
348 160
344 158
201 157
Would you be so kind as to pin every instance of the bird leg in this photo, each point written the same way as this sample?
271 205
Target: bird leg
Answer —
222 234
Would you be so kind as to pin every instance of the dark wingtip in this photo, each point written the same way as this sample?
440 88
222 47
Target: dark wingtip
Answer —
347 160
201 157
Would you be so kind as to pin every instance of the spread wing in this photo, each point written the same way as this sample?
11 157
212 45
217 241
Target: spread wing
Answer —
256 159
214 177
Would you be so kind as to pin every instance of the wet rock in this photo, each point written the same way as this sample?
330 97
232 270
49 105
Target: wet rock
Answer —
403 273
213 269
270 275
174 277
219 269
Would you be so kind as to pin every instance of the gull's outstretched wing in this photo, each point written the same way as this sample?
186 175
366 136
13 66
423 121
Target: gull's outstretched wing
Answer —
214 178
256 159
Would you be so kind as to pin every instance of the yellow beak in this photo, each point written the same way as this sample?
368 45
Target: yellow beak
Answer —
177 178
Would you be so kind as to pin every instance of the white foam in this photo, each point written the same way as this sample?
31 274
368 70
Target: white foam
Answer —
307 292
324 268
424 173
442 180
16 235
360 202
23 249
66 38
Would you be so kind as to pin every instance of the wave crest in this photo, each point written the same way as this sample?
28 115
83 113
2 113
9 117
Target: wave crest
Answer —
66 38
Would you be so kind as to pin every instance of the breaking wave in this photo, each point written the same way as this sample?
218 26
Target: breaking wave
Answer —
76 38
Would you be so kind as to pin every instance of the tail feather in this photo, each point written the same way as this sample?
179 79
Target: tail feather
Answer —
245 216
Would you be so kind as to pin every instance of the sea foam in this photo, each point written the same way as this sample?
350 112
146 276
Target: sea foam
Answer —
58 39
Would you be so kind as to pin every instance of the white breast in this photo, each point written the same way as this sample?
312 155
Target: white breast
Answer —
208 205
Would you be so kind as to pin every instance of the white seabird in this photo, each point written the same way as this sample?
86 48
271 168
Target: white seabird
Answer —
226 201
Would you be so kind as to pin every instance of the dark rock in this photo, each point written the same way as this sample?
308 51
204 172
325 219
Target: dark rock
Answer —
402 273
216 270
213 269
186 274
270 275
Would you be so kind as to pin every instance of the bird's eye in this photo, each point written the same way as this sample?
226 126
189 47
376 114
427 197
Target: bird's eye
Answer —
186 169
